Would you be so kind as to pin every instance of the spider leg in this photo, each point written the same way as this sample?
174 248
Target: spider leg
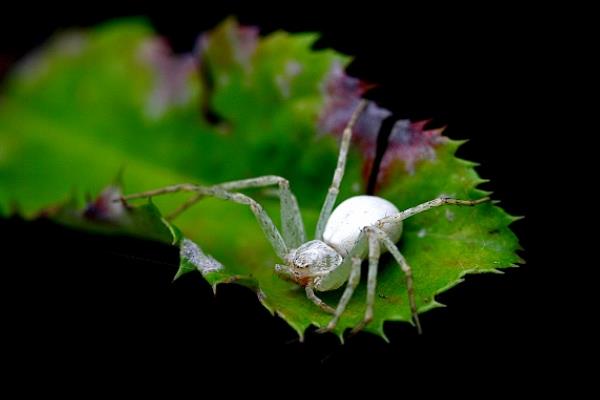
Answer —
183 207
310 293
292 225
374 253
393 249
346 296
339 171
263 219
284 272
440 201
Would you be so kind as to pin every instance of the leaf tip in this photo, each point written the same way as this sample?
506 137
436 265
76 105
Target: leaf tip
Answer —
291 322
379 331
515 218
178 275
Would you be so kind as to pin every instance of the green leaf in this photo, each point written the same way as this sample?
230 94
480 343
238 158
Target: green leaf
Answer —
92 103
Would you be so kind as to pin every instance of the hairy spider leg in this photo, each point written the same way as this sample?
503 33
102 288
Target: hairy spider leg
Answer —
428 205
265 222
310 293
393 249
286 274
291 219
339 171
374 253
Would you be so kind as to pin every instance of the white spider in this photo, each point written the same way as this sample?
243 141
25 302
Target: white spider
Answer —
343 238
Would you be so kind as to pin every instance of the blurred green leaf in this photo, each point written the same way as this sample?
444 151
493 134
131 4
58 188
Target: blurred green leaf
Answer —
92 103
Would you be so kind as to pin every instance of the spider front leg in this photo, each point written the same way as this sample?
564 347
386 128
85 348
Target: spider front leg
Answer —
285 273
265 222
292 225
310 294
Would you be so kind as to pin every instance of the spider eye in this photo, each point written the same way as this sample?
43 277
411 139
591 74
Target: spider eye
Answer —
315 256
299 263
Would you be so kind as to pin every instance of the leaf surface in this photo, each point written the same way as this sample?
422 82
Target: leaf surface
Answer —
92 103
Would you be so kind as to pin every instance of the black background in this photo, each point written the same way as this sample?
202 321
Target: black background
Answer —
87 308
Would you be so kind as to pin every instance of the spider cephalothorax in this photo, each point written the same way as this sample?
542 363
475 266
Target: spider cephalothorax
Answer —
312 260
360 227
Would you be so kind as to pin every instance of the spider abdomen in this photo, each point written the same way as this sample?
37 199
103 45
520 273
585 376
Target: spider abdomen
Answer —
352 215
